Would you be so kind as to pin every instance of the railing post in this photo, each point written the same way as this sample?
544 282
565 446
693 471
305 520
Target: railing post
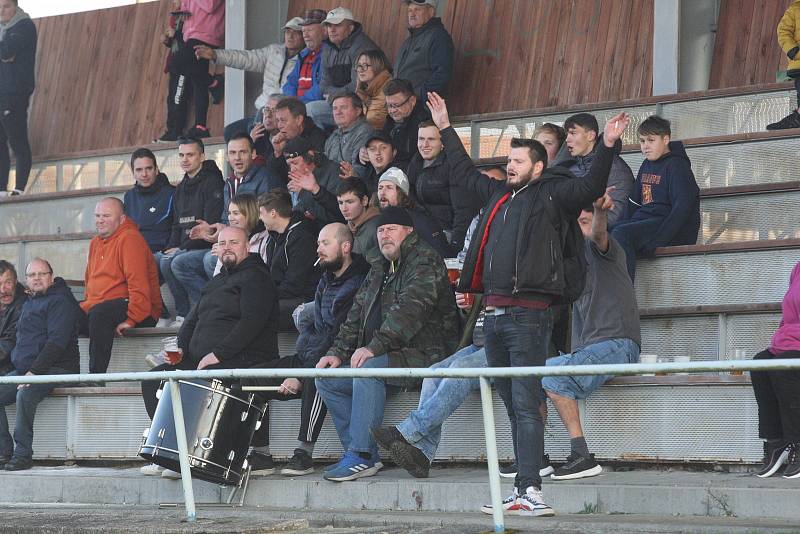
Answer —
491 455
183 451
474 140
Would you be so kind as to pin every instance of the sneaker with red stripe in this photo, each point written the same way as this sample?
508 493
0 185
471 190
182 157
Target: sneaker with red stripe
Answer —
510 505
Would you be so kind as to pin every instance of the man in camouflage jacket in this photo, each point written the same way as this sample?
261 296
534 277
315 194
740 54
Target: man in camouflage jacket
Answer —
404 315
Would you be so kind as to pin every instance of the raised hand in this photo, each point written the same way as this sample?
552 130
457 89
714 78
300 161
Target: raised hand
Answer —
438 111
605 203
615 127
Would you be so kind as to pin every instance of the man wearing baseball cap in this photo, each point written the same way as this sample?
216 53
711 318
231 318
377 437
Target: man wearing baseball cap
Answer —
274 61
381 332
346 40
310 174
426 56
303 81
377 155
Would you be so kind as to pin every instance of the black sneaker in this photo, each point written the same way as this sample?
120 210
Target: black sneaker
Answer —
793 463
217 91
261 464
411 459
775 457
4 460
198 132
577 466
168 137
792 120
386 436
510 471
299 465
18 463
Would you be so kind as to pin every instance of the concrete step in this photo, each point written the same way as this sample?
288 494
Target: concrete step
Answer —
661 494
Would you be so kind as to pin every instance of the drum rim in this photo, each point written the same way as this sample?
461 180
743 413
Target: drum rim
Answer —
192 457
224 393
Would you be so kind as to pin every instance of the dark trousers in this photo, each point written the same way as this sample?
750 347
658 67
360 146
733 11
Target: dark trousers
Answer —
180 90
797 89
285 309
520 338
312 408
778 398
100 325
150 387
27 400
635 237
185 63
14 132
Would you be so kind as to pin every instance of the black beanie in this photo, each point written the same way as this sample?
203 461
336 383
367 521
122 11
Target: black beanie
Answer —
395 215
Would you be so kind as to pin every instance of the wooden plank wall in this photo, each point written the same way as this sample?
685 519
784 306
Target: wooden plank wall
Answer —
521 54
746 50
100 80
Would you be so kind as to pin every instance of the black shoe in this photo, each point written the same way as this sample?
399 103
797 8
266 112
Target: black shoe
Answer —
510 471
218 90
386 436
4 460
198 132
411 459
793 463
261 464
300 464
775 457
577 466
18 463
792 120
168 137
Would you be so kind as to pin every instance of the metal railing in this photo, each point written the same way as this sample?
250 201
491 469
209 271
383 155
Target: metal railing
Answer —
483 374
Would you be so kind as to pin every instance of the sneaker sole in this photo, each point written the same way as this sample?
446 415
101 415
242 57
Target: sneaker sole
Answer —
296 472
593 472
778 464
370 471
544 512
795 475
510 511
263 472
404 460
509 475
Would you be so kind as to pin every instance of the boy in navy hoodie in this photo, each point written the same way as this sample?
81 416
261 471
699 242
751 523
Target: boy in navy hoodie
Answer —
664 209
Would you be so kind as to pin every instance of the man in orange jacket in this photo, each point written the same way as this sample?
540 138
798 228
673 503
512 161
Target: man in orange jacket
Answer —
122 289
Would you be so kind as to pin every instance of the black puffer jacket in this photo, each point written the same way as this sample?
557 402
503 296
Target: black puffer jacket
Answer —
235 318
439 193
196 198
8 327
291 258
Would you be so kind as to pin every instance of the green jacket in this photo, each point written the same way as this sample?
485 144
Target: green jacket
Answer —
419 322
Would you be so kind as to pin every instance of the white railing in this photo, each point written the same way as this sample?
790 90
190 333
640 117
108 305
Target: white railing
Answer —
483 374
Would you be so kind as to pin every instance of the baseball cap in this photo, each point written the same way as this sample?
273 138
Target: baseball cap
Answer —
338 15
313 16
294 24
296 147
397 177
380 136
431 3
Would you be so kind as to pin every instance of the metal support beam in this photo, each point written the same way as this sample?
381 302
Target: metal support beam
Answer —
183 450
491 455
666 46
235 38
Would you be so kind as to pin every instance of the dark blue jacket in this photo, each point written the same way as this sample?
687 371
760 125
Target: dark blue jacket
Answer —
332 302
426 59
258 180
18 59
314 92
151 209
47 332
666 189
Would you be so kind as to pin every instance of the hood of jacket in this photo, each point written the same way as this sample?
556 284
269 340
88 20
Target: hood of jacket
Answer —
358 31
18 17
127 227
209 167
161 181
252 262
435 22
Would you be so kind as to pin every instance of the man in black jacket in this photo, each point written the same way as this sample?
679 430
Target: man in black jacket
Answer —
17 60
292 123
47 344
233 324
406 112
343 274
290 249
12 297
199 197
516 259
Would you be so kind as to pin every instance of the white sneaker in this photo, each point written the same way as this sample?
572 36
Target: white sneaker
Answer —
151 470
164 322
177 323
510 505
169 473
532 503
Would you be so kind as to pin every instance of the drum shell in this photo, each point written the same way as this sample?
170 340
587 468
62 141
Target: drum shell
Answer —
219 427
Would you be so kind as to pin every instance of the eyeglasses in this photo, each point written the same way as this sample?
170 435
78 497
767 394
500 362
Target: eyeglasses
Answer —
268 111
362 66
38 275
401 104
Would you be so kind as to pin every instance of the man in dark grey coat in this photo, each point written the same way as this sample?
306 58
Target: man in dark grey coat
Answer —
12 297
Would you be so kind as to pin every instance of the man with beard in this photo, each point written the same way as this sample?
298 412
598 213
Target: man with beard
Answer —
232 326
517 259
12 297
404 315
343 273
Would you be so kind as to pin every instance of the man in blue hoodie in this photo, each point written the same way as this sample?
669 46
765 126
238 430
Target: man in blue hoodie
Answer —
664 209
47 343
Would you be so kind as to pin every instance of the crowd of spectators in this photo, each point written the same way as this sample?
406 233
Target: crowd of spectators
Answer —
348 189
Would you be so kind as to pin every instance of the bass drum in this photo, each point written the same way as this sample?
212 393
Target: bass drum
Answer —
219 426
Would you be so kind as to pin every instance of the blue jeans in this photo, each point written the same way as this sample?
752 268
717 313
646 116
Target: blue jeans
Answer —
439 398
520 337
209 264
26 399
620 350
189 273
356 405
322 114
179 294
636 237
